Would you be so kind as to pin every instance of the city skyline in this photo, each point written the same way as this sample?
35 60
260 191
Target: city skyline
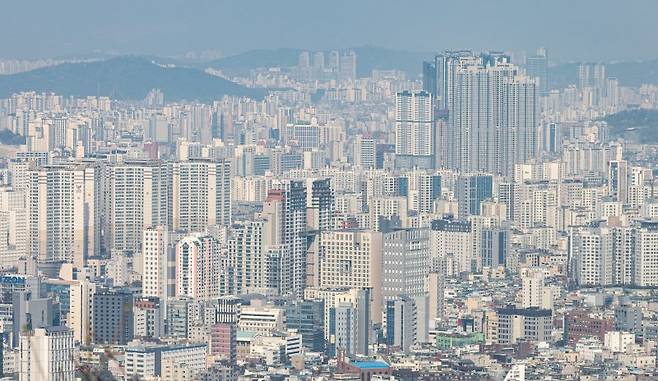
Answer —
476 213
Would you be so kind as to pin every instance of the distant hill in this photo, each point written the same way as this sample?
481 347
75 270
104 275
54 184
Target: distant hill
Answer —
254 59
125 78
628 73
636 125
367 57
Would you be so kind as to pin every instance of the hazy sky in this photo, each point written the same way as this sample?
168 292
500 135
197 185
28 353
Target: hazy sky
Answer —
570 29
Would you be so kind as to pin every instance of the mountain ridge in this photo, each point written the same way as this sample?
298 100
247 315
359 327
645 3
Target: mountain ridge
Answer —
125 78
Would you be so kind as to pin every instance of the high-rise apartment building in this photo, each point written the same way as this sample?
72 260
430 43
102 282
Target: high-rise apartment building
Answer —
249 244
645 261
199 194
137 199
493 120
364 151
200 268
592 83
414 124
446 65
64 214
285 209
603 255
155 263
14 226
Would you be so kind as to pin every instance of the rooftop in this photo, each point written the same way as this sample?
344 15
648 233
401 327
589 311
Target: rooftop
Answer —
370 364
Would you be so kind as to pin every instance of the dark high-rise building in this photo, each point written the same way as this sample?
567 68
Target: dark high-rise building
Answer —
380 154
537 67
401 322
552 137
322 199
307 317
495 246
429 77
112 320
471 191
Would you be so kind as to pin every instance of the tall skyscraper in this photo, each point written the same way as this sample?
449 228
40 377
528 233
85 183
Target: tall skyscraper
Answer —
493 119
537 67
429 77
592 83
320 199
318 61
618 179
304 59
591 75
81 307
414 124
446 65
